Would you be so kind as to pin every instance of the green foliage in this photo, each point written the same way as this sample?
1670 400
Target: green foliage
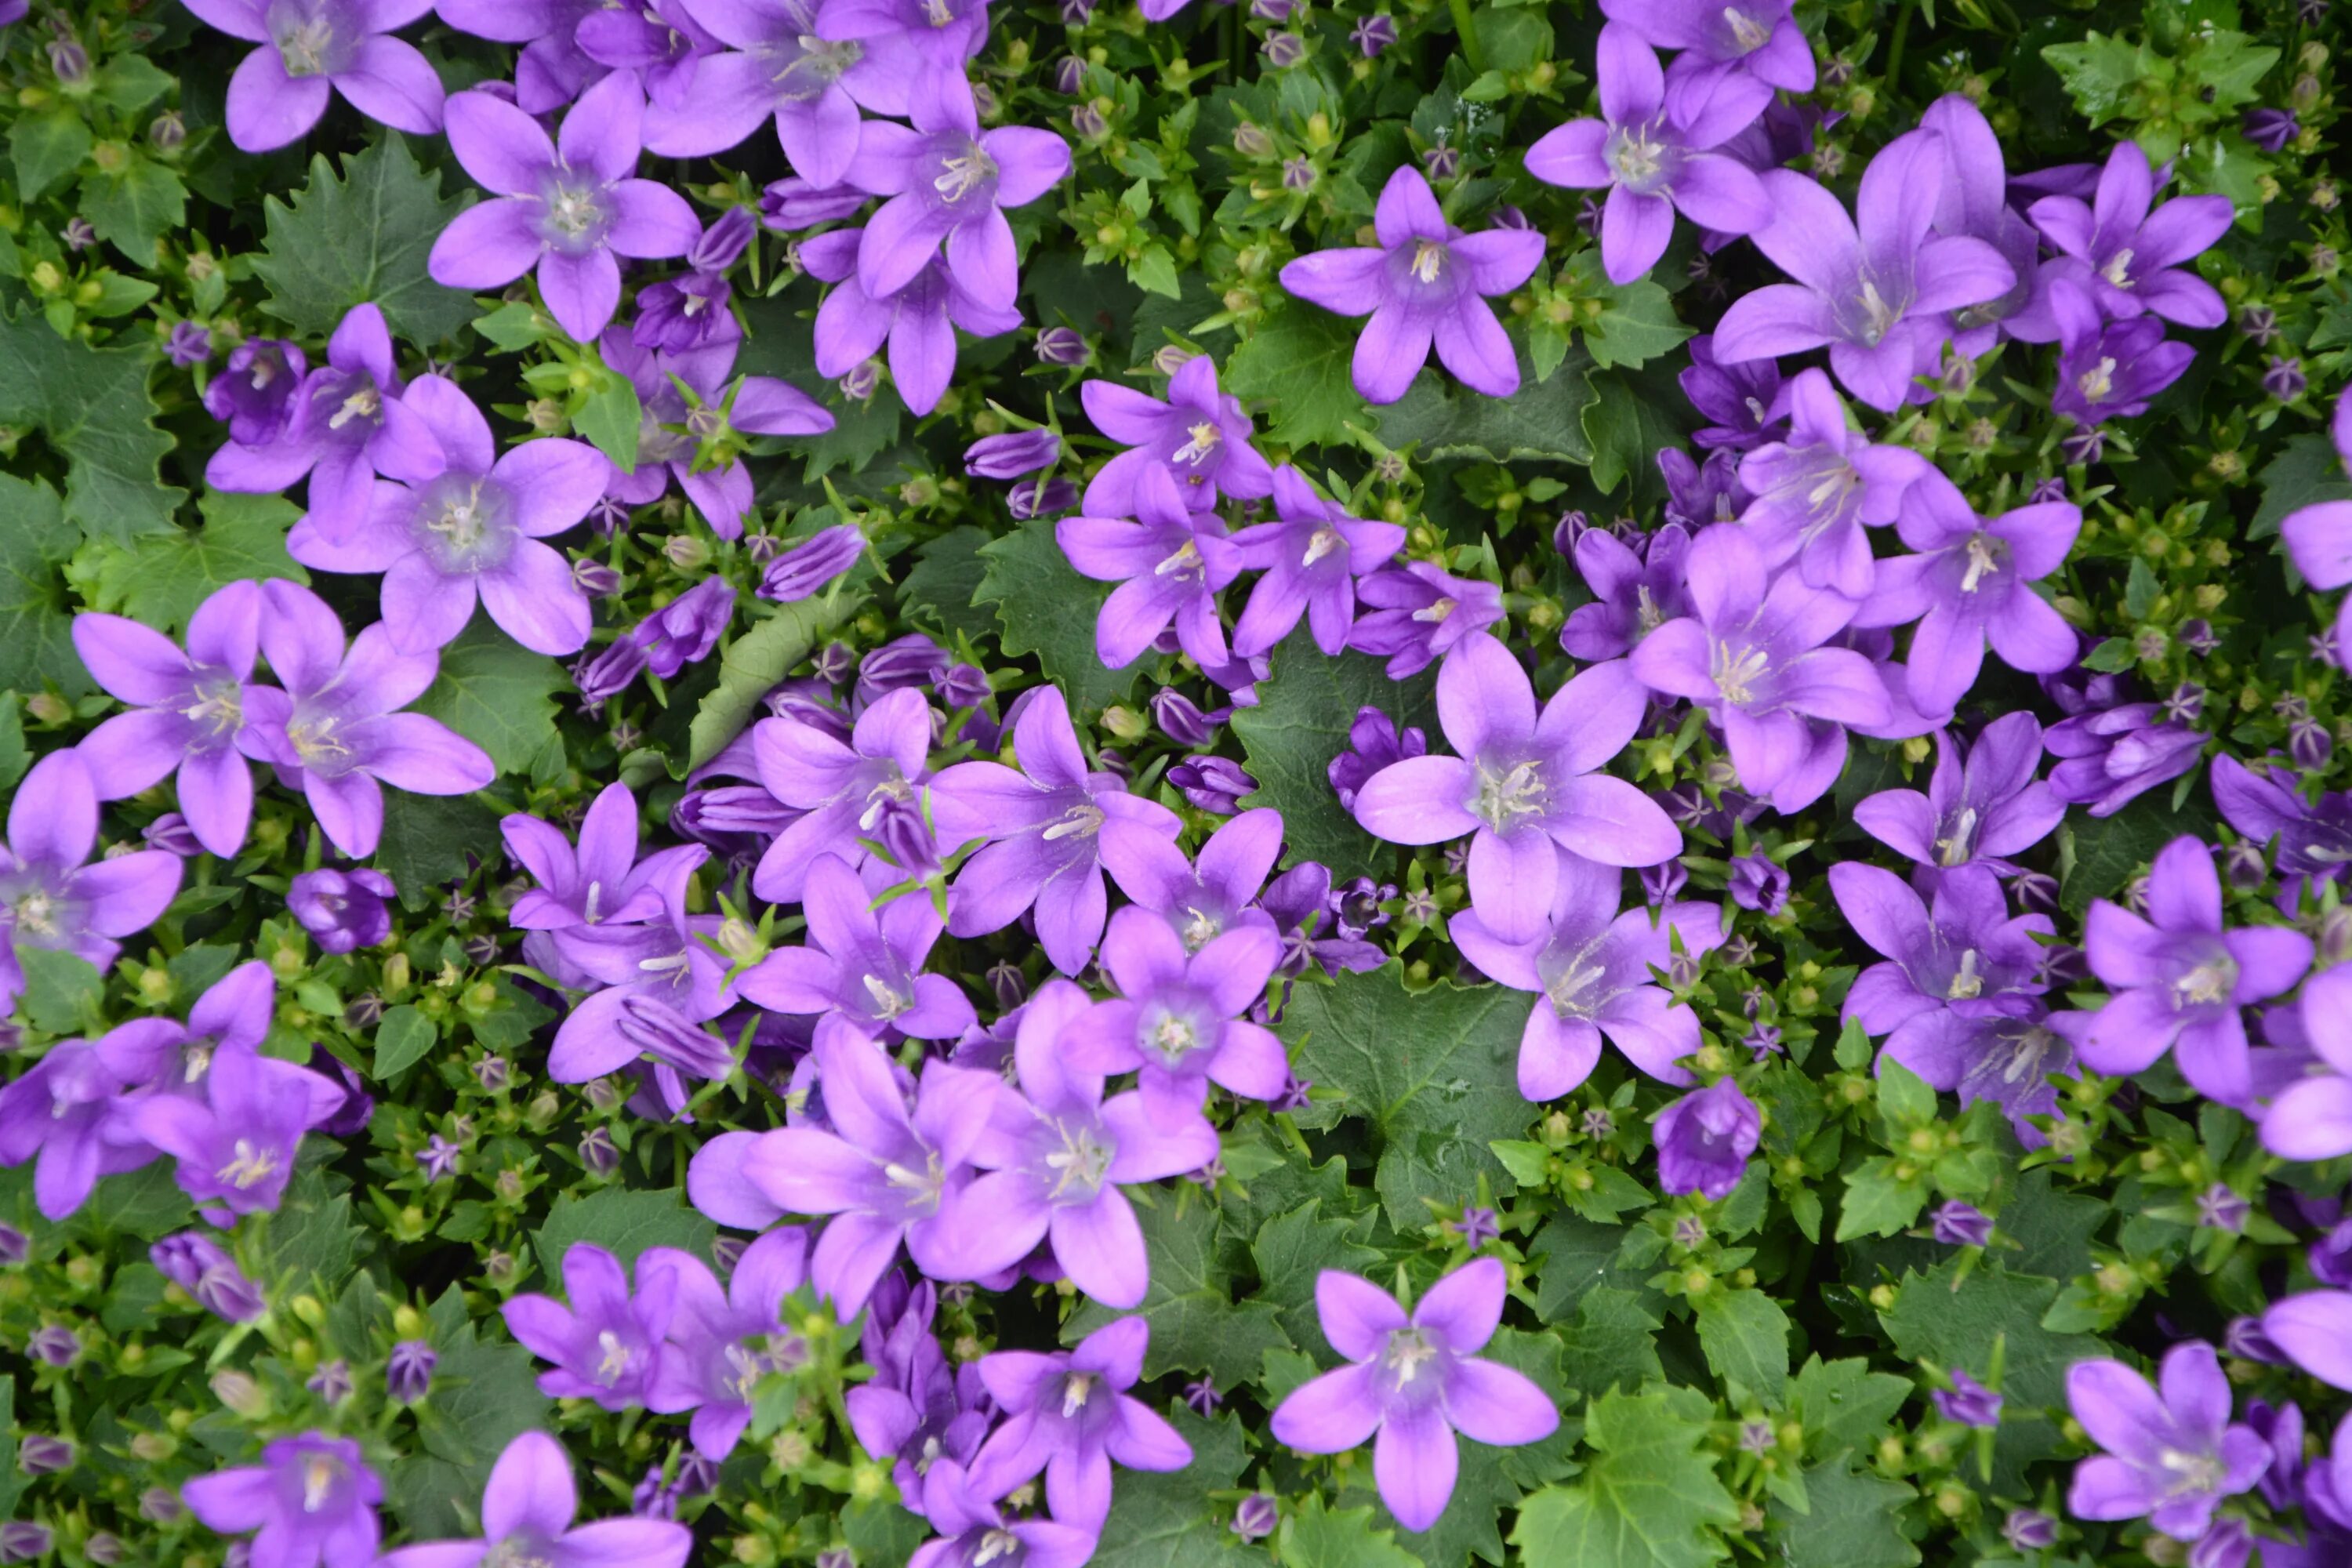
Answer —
754 660
1166 1519
1299 363
1047 609
93 409
623 1222
497 694
485 1394
162 577
361 237
1290 1250
1316 1537
1646 1499
36 632
401 1040
1304 711
1854 1520
1746 1336
1196 1325
1441 419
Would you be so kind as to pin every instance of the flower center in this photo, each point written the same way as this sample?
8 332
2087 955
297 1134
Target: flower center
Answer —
1967 985
1200 927
1747 31
1636 156
922 1188
1078 821
1184 560
962 172
1502 798
1205 438
366 402
888 1003
37 914
1319 543
1428 259
1955 847
2208 982
2193 1474
1985 554
994 1544
303 46
1079 1165
316 746
574 218
612 1358
319 1474
1878 315
1737 675
516 1551
2098 382
1074 1390
1408 1350
219 706
1171 1037
1435 611
1570 990
248 1166
817 66
2117 271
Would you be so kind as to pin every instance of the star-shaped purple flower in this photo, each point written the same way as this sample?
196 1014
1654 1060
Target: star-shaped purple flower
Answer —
1170 562
1309 558
49 899
862 967
1067 1414
2130 257
308 46
1201 434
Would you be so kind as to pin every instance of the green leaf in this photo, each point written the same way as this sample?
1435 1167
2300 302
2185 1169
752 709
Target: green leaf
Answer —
1433 1076
401 1040
2304 472
46 148
2103 74
16 759
1746 1337
1614 1343
485 1394
1315 1538
1855 1521
1154 272
93 407
623 1221
1542 422
61 990
497 693
1196 1325
611 420
1843 1404
1646 1499
426 838
165 576
1290 1250
13 1481
2106 850
1046 608
312 1239
2052 1228
1299 363
135 205
132 82
1573 1255
363 237
1877 1202
2140 589
1174 1519
751 664
1626 432
1905 1099
1636 322
36 626
937 590
1304 709
1933 1321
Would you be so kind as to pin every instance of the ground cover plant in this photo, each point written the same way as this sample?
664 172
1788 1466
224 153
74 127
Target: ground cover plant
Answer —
864 782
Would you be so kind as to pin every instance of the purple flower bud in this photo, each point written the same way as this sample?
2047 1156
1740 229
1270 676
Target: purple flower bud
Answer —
1180 719
438 1158
1703 1140
598 1152
812 707
1298 173
172 834
2037 892
79 234
1441 162
1374 742
105 1548
2309 744
1007 984
162 1505
594 576
682 314
963 686
2028 1530
493 1074
696 1473
2052 489
604 676
2220 1208
2084 444
2228 1542
189 344
1214 784
21 1540
14 1246
343 911
1957 1223
1968 1402
809 565
654 1498
408 1373
54 1344
2244 866
1477 1228
1759 884
792 204
331 1381
2259 322
254 395
1070 76
2197 636
1088 122
2283 379
724 242
1374 33
912 660
1012 455
70 61
1063 345
42 1455
2246 1339
861 382
168 132
2270 129
1258 1514
1076 13
1283 50
1045 498
1663 881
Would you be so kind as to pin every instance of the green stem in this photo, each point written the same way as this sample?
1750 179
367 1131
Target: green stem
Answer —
1469 32
1895 44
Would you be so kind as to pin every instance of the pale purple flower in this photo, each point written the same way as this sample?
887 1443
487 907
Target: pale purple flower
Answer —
916 1408
1982 802
2113 752
476 528
1178 1021
343 911
1752 653
1594 974
2180 980
203 1268
342 732
722 1343
1068 1414
2311 1117
255 395
49 898
1202 903
661 982
602 881
1653 149
1374 742
310 1503
1818 489
1633 594
861 965
604 1344
1170 562
667 444
1199 434
2130 257
64 1112
1745 401
841 791
1011 454
553 69
1524 783
1419 614
1968 1402
917 321
1971 584
1957 1223
1056 1155
568 208
975 1533
1875 294
280 90
1416 1380
2319 536
775 66
1753 37
660 40
526 1513
2108 368
1309 557
189 710
1975 203
1052 829
808 566
2172 1452
1426 282
1705 1139
237 1142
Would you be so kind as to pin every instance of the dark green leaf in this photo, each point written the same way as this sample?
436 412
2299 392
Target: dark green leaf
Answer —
497 693
93 407
947 573
1856 1522
1047 609
426 838
623 1221
401 1040
360 237
36 629
2106 850
1646 1499
61 990
165 576
1932 1320
1543 421
610 420
133 206
46 148
1172 1519
1746 1337
1843 1404
1298 363
1626 432
485 1394
1315 1538
1290 1250
2306 472
1614 1343
1196 1325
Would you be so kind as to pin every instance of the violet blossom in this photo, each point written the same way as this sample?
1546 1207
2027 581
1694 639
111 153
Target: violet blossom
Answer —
916 1408
50 897
602 881
310 1503
1170 562
1199 434
775 66
667 444
1419 614
1975 202
551 70
862 966
2172 1451
1068 1414
237 1145
606 1344
281 90
661 40
841 791
918 320
2319 536
1982 802
1817 490
2108 368
1178 1021
2129 256
1703 1140
721 1343
1753 37
1633 594
343 911
974 1533
64 1113
526 1513
1309 557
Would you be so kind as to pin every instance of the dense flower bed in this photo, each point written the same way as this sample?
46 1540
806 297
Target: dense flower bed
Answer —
852 781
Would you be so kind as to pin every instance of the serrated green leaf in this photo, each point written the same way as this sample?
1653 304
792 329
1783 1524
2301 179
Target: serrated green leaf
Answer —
497 693
1314 1537
2102 73
1154 272
1542 422
46 148
359 238
15 757
13 1480
1746 1337
1196 1324
1645 1501
1905 1099
939 589
1305 707
36 627
427 838
1298 363
1854 1520
1175 1519
1876 1202
1636 322
623 1221
2108 849
1941 1317
485 1394
1612 1343
61 990
1045 608
165 576
1843 1404
134 206
1290 1250
610 421
2305 472
1626 432
403 1039
94 407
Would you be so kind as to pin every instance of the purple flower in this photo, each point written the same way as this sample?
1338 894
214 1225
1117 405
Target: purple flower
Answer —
1975 202
527 1511
189 344
661 982
552 69
1374 742
475 527
680 314
1056 1154
915 1408
2112 754
860 967
1759 882
2313 841
2130 257
1970 585
569 208
1703 1140
311 1500
948 183
342 732
606 1344
67 1110
280 90
1068 1414
2172 1452
408 1373
2109 368
974 1533
919 319
1817 490
758 405
1051 828
1633 594
1425 282
811 564
1957 1223
722 1343
1416 1380
776 66
1982 802
1968 1402
255 395
842 792
201 1266
347 426
602 881
1875 294
343 911
48 898
1310 557
2319 536
1751 654
1012 455
1591 971
1177 1021
659 40
1755 38
2313 1112
190 711
1169 563
2179 979
1653 149
1200 904
1421 614
237 1145
1524 783
1199 434
686 630
1181 720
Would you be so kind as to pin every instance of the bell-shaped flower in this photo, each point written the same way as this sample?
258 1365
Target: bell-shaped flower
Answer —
2131 257
1982 802
917 321
606 1345
862 966
775 66
1199 434
309 47
602 882
1178 1019
1068 1414
1818 489
238 1144
721 1343
1169 563
1309 557
49 898
841 790
526 1513
1202 899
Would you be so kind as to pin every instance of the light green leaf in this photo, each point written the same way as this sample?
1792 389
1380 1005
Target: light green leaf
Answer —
61 990
1905 1099
1746 1337
1196 1325
363 237
623 1221
1877 1202
751 664
497 693
1645 1501
1933 1321
1046 608
1290 1250
1315 1538
133 206
94 407
165 576
610 420
402 1040
1298 363
1843 1404
46 148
